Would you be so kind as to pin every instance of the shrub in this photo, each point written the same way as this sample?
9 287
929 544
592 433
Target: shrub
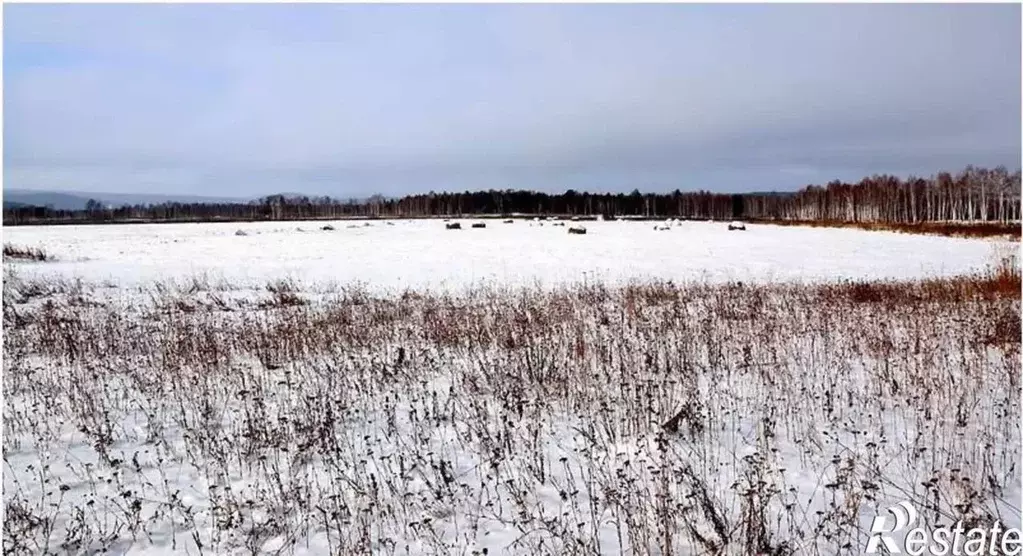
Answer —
26 253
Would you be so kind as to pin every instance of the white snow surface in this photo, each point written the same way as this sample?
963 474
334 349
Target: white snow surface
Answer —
422 254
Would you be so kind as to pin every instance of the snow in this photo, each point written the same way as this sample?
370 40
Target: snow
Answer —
426 413
423 254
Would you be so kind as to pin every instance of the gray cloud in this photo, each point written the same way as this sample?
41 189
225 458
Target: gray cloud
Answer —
242 100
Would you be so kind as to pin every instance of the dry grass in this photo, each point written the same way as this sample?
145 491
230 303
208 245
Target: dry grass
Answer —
950 229
654 418
18 252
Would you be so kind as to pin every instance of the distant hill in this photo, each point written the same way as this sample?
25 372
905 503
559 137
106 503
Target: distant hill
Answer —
14 204
66 200
60 201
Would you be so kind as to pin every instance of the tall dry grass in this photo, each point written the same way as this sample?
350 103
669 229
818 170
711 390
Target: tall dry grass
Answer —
1010 230
653 418
19 252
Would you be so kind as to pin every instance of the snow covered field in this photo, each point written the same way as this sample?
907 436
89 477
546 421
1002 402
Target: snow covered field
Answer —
418 254
201 392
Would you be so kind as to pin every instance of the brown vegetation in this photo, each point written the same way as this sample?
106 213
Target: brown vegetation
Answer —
650 418
25 253
951 229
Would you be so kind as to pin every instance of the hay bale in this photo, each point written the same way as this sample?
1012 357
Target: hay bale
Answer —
328 228
509 221
453 226
736 226
577 230
479 225
241 233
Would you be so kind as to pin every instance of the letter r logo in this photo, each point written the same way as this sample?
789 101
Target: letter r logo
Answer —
879 535
904 514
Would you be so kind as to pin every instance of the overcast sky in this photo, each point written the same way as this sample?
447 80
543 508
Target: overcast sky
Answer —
246 100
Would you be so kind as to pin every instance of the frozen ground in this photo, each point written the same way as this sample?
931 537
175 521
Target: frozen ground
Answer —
417 254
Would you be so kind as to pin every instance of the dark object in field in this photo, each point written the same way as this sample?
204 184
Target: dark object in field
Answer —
454 226
736 226
479 225
328 228
577 230
241 233
25 253
689 415
562 224
509 221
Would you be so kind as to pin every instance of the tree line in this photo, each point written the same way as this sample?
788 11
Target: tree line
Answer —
972 195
